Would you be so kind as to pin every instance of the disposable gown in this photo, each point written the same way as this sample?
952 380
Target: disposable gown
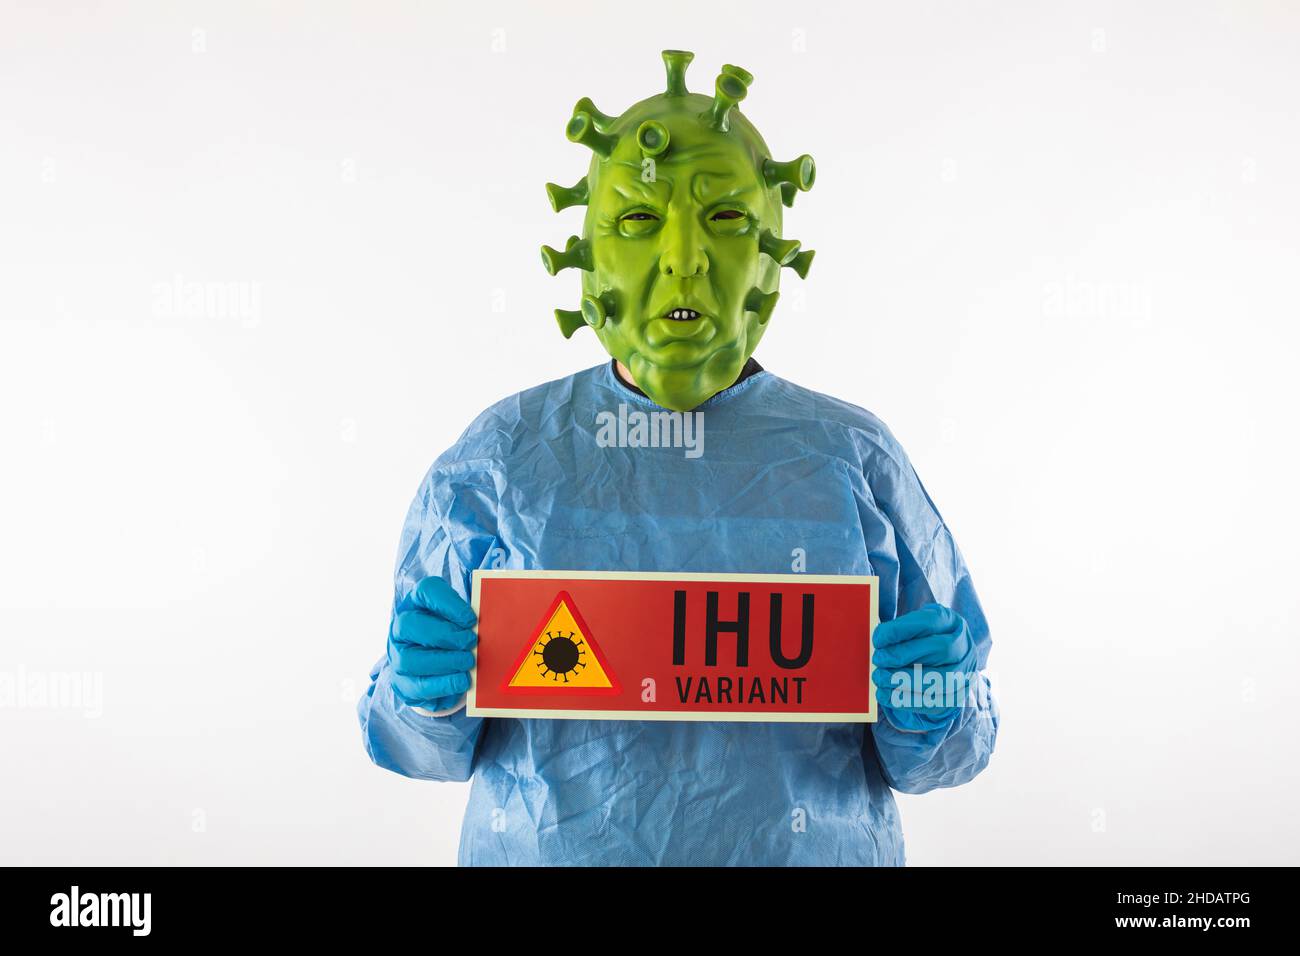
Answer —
784 475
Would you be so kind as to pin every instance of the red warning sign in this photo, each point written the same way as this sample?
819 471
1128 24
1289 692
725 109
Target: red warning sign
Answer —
562 656
657 646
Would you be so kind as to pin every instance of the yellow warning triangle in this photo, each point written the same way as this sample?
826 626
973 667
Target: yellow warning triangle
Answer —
562 654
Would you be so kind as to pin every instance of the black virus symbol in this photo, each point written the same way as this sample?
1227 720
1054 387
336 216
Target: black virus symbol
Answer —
560 656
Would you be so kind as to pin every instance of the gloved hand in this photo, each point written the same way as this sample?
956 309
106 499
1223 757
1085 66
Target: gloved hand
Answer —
429 647
938 639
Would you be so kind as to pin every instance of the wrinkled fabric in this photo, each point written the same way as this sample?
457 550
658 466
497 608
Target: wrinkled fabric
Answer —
785 475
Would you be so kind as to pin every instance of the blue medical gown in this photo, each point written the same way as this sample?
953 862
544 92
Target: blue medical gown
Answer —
787 479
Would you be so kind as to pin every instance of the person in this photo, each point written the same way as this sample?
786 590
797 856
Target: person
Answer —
680 258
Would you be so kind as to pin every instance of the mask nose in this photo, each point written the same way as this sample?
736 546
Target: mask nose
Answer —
683 254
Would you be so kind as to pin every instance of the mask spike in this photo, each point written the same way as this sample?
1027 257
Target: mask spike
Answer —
739 73
582 129
761 303
576 255
782 250
676 62
801 263
569 321
652 137
798 173
603 121
596 309
562 198
788 192
731 87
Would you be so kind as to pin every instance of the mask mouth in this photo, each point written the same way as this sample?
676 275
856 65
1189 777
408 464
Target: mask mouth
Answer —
682 315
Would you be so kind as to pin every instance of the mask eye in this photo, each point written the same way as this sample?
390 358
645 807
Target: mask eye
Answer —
637 223
729 221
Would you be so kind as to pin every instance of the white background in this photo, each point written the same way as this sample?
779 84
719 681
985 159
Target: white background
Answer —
1057 254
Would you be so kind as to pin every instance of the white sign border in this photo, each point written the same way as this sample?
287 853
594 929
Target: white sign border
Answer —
473 710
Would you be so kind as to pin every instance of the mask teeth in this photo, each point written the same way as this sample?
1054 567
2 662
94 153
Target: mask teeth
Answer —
652 137
596 309
603 121
761 303
798 174
576 255
801 263
563 198
731 87
569 321
782 250
676 62
582 129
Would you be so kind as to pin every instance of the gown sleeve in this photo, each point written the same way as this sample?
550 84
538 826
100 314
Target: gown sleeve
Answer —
928 567
449 531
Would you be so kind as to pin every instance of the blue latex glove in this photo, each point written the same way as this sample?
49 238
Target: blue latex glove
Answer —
429 647
939 640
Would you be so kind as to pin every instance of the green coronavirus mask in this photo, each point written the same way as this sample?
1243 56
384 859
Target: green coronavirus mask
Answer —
681 248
